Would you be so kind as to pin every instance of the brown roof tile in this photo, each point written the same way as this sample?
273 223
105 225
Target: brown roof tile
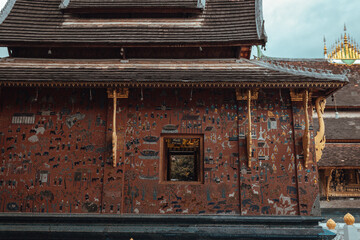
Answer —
222 21
340 155
154 71
342 128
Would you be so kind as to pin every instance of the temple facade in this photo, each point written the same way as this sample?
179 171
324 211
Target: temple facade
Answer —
153 108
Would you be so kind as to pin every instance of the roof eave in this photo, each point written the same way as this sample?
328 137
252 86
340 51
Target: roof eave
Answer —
36 43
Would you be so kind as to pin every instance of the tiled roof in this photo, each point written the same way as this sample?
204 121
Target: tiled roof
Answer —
129 3
226 73
340 155
348 95
342 128
222 21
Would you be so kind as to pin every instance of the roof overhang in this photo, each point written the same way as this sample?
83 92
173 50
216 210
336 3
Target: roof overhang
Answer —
228 73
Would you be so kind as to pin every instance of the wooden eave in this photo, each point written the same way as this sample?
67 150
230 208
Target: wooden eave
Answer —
220 73
115 45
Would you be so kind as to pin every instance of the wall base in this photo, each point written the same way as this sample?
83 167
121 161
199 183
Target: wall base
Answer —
108 227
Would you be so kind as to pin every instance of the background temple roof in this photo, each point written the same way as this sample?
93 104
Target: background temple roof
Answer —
43 22
341 128
340 155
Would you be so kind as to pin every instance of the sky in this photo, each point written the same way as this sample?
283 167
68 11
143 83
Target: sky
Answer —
296 28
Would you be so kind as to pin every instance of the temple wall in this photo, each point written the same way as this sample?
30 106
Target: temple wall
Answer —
70 139
52 160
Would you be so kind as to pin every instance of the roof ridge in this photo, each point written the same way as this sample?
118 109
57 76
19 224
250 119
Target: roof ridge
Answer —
294 59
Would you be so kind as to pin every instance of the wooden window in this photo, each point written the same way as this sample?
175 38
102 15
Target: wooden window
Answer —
181 159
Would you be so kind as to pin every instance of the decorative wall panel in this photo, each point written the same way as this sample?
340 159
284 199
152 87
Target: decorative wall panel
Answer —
63 161
56 163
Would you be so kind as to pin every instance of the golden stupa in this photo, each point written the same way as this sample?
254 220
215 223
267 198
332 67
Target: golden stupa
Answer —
344 51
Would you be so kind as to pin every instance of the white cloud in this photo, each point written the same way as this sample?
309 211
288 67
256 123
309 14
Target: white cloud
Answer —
2 3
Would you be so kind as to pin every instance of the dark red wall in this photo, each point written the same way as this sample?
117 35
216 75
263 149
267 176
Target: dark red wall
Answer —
71 140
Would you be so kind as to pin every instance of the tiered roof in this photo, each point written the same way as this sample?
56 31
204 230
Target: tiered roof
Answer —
44 23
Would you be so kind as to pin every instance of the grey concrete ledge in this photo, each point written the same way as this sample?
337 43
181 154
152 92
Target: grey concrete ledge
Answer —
103 226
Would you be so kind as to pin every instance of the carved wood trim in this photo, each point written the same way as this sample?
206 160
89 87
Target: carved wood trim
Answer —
248 136
242 94
320 135
298 96
248 95
115 94
114 136
123 84
118 93
306 137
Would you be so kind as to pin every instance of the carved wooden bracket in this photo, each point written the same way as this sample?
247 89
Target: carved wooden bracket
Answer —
298 96
304 96
320 135
306 137
248 95
115 94
242 94
118 93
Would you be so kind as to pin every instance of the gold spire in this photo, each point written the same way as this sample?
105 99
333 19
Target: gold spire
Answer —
345 48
